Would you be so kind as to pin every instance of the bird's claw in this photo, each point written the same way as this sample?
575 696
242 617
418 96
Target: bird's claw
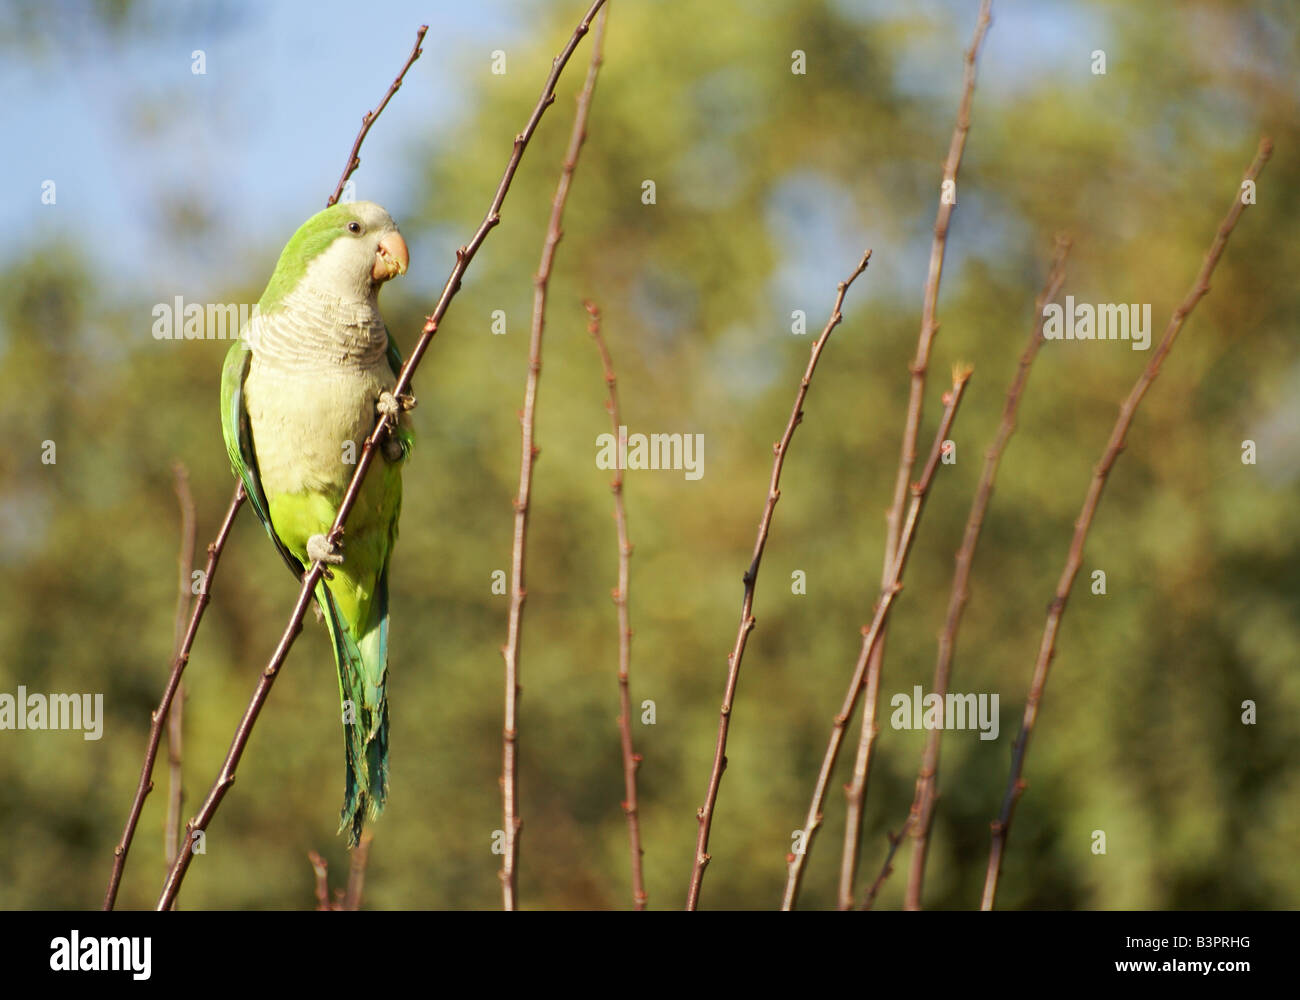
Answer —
321 550
392 406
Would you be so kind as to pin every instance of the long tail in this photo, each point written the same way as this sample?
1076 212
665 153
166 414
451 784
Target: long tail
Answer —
363 674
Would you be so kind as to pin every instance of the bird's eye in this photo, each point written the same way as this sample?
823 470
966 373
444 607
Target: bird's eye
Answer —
354 227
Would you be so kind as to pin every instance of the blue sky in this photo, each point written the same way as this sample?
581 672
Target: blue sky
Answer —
127 131
267 126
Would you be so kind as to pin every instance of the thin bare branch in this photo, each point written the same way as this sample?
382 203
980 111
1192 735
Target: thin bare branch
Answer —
322 870
887 868
175 719
631 759
779 450
368 119
870 637
929 308
179 661
463 257
357 872
922 812
343 899
856 791
528 457
1047 648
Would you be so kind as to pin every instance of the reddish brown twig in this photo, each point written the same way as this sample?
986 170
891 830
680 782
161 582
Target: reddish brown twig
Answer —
870 637
368 119
348 899
631 759
1074 558
463 257
185 565
887 868
929 308
528 457
856 790
922 812
779 449
179 661
321 869
357 872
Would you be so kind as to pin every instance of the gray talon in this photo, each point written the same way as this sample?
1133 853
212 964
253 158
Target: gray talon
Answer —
320 550
392 406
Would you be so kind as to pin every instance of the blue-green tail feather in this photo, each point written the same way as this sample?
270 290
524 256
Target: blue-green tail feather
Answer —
363 673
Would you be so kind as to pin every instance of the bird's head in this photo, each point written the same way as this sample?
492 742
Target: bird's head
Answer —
346 251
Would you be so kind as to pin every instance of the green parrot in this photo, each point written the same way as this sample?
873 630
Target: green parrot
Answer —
300 391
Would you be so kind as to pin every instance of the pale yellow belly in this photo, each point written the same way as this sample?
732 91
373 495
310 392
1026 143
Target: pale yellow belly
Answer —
308 429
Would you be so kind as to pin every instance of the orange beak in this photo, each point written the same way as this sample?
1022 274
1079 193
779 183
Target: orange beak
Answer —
391 257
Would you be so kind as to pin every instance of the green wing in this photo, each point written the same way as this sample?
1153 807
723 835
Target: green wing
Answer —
239 442
395 360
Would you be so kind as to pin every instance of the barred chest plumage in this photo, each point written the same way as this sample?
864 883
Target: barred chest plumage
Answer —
317 370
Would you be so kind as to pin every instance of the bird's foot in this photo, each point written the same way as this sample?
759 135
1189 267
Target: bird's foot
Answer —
319 549
392 406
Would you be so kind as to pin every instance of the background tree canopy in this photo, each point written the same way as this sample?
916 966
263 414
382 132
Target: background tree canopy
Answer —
769 184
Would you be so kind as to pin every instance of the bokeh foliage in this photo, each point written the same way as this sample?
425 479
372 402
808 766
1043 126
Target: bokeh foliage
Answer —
769 185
